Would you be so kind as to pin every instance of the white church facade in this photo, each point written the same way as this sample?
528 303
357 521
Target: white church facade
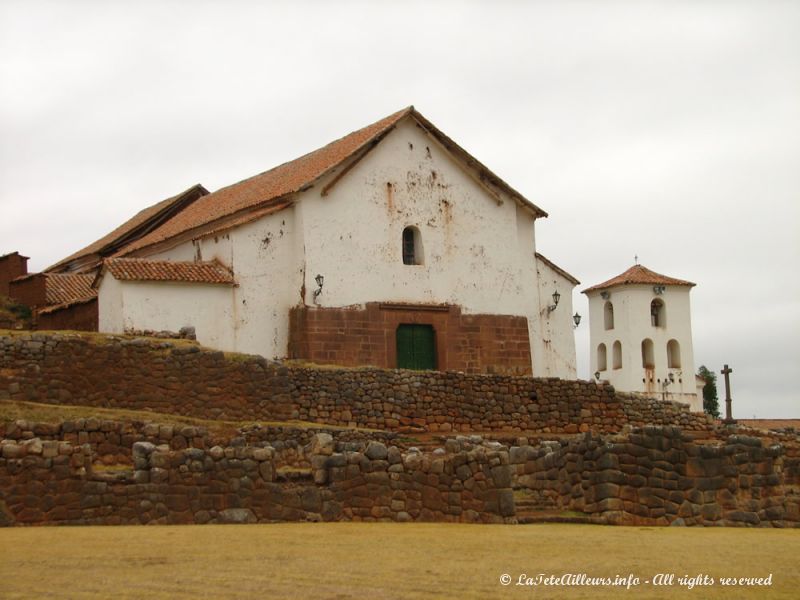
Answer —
390 247
641 335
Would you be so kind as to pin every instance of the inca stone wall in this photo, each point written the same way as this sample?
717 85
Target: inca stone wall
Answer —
660 476
182 378
111 441
649 476
54 482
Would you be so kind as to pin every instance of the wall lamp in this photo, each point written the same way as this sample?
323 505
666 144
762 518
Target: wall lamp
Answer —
604 295
658 289
320 280
576 318
597 375
668 380
556 298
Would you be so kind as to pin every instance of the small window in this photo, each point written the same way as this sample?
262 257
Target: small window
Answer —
673 354
648 354
608 314
412 246
617 355
658 314
602 363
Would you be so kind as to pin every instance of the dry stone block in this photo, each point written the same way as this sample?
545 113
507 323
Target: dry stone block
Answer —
322 443
376 451
237 516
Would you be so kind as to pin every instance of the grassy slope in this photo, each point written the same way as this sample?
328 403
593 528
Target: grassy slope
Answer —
55 413
354 560
13 312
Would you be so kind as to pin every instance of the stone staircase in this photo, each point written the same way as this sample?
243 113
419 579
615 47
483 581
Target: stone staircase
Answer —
530 510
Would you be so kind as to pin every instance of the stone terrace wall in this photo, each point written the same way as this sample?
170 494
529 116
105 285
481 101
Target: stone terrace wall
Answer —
111 441
182 378
447 401
141 373
292 444
653 476
52 482
659 476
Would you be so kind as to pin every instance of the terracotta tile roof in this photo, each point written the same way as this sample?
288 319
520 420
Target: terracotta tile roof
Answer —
140 224
57 307
256 213
61 288
557 269
638 274
213 211
288 178
137 269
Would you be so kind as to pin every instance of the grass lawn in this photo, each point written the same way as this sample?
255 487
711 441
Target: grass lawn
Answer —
11 410
359 560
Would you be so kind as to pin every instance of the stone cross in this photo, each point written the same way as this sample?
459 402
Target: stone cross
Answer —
728 416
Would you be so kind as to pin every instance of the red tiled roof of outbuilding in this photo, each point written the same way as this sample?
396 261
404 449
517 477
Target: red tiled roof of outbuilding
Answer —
47 310
61 288
138 269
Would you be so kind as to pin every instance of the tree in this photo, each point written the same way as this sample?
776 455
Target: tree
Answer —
710 401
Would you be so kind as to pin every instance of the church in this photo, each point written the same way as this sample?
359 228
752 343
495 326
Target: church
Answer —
391 247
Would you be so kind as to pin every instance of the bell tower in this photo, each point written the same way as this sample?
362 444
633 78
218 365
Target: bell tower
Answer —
641 335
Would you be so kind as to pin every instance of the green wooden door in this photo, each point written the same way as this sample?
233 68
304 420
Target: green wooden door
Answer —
416 347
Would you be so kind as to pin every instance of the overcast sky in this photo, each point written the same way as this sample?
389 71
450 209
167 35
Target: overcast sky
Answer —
668 130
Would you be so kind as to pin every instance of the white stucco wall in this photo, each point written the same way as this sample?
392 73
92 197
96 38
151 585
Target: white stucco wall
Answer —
470 249
110 308
554 351
158 306
268 271
632 325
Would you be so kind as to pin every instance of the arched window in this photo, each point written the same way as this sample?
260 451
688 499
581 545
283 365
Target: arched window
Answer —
608 315
412 246
648 355
673 354
617 355
602 363
658 314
